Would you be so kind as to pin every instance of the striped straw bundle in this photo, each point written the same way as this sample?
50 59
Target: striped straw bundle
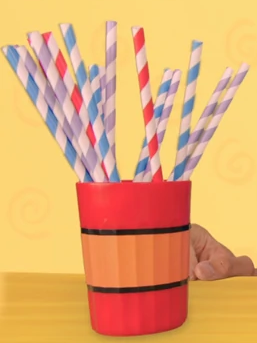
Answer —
81 116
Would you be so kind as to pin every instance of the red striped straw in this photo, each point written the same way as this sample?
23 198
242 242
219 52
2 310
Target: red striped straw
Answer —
73 89
147 103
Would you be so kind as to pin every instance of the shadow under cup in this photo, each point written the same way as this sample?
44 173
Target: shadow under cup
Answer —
135 243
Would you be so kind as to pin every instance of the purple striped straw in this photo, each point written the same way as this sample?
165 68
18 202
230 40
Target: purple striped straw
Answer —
70 86
49 96
45 111
162 124
208 111
47 63
110 70
217 116
79 67
205 117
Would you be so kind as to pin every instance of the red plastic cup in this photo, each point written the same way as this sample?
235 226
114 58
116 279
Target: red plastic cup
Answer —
135 243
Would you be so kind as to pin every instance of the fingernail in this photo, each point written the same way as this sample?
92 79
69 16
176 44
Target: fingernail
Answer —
205 271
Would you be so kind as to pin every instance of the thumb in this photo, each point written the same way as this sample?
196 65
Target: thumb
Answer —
221 268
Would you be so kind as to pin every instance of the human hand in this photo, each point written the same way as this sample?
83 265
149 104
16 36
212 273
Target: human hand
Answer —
210 260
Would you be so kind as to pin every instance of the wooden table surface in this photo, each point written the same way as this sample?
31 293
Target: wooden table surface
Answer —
45 308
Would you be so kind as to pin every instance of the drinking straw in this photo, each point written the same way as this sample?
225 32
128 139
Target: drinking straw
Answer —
217 116
162 94
49 96
46 112
158 107
162 124
208 111
44 56
94 76
86 92
147 102
72 89
44 87
193 73
103 88
110 67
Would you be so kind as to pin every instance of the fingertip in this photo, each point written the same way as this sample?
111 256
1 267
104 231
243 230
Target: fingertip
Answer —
192 277
204 271
243 266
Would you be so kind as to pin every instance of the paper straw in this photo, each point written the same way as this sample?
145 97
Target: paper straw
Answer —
72 89
103 88
49 96
44 87
94 76
208 111
217 116
44 56
158 107
110 69
147 102
86 92
193 73
162 94
70 85
46 112
162 124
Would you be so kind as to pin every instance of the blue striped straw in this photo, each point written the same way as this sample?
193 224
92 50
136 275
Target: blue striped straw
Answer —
103 87
158 108
46 112
167 109
189 100
195 135
86 92
215 121
94 77
50 98
44 56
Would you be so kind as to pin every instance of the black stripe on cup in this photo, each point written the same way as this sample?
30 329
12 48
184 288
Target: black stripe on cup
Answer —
128 232
114 290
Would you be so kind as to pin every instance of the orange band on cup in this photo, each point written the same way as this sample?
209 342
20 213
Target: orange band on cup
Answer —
135 260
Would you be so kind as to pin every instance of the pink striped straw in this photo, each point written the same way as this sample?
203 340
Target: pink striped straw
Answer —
44 56
213 125
103 88
162 124
147 102
110 68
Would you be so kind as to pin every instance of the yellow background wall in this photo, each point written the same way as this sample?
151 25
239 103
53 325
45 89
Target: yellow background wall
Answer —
39 227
